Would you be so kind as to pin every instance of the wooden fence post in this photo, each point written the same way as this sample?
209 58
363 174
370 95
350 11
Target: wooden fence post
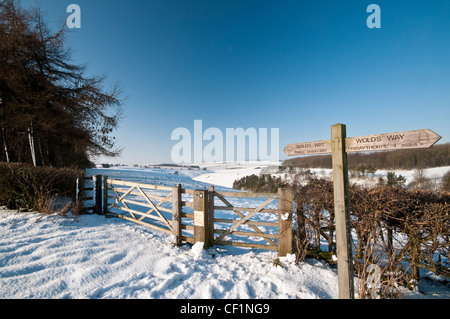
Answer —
285 222
176 214
210 230
105 194
97 181
201 222
342 213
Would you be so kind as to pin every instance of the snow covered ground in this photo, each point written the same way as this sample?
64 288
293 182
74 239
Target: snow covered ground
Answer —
94 257
98 257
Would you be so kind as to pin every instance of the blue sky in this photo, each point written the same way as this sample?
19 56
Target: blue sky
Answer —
300 66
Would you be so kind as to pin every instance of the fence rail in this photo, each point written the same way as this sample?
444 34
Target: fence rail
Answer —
262 221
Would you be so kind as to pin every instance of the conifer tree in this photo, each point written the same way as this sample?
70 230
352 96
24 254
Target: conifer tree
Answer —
51 114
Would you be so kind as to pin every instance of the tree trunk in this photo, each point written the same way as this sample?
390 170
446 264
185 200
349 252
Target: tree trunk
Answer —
5 145
32 145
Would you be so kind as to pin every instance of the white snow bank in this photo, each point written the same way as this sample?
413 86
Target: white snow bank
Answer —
98 257
226 177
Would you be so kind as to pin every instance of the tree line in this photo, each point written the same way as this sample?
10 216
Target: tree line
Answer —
51 113
438 155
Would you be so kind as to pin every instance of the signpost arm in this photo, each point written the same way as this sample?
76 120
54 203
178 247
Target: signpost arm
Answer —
342 213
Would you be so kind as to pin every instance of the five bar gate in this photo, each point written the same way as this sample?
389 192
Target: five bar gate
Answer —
262 221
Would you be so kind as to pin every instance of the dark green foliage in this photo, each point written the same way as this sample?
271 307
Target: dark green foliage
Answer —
395 180
259 184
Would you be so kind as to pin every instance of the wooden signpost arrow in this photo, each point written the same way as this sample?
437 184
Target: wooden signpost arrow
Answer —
370 143
339 146
392 141
310 148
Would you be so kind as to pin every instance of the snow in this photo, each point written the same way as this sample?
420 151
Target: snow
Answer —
95 257
224 174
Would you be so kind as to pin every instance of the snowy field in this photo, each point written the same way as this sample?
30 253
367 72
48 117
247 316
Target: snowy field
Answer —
94 257
225 175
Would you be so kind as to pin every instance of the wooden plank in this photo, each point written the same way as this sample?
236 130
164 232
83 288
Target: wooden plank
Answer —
308 148
393 141
246 209
187 227
247 245
247 195
144 204
187 215
187 204
153 196
133 184
130 201
250 223
136 212
342 213
248 234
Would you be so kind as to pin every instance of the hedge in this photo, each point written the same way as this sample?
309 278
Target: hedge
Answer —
41 189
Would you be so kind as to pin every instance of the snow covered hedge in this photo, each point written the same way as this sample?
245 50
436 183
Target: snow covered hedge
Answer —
401 231
446 182
36 188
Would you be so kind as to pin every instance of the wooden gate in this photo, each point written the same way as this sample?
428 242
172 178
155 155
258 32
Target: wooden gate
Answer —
208 213
275 231
131 198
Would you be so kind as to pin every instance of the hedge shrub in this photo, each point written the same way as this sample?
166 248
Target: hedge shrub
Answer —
401 231
39 189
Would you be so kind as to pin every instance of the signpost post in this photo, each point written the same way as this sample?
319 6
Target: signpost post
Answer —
339 146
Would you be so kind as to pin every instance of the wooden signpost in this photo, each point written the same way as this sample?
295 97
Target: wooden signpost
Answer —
339 146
